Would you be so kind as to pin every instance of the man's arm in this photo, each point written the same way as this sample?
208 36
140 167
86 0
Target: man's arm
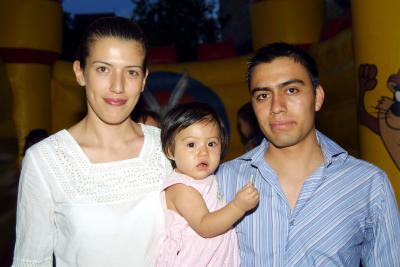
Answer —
383 245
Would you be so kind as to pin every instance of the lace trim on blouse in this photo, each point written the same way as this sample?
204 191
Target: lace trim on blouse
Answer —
85 182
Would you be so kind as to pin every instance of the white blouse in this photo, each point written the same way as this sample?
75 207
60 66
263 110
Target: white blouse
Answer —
105 214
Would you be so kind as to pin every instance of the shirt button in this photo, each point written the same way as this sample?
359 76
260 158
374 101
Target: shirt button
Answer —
291 223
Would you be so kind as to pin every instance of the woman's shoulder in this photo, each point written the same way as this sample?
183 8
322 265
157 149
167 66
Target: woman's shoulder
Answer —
152 138
48 151
52 141
152 150
151 131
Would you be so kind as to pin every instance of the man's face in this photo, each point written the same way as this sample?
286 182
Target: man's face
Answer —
284 101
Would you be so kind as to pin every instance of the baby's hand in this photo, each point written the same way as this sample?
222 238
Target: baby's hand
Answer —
247 198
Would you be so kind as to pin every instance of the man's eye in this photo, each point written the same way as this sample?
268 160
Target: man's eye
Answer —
292 90
262 96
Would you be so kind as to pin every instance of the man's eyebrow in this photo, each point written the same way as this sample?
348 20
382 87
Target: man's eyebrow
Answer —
259 89
102 62
286 83
281 85
108 64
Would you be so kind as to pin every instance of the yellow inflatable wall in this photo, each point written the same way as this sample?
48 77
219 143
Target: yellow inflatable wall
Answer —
41 89
30 39
377 62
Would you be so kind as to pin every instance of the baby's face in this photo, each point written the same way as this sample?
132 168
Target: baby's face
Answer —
197 150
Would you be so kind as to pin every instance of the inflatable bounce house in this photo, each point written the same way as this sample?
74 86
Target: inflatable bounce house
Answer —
359 65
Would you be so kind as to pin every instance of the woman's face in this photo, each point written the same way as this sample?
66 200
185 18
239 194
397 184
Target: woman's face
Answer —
114 78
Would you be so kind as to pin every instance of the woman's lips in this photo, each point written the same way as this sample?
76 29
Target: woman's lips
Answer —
115 101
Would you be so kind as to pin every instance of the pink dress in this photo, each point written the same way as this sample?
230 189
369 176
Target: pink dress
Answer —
182 246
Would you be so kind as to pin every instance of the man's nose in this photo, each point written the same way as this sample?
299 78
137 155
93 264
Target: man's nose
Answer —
278 104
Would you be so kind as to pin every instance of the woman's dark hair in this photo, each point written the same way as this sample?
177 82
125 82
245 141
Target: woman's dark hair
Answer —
115 27
270 52
185 115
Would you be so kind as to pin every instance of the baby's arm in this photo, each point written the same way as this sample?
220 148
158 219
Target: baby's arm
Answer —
189 203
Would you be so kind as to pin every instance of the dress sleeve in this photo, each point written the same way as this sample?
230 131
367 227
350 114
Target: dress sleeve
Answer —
383 245
35 223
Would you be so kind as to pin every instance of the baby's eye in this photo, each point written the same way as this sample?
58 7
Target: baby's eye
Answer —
191 144
212 144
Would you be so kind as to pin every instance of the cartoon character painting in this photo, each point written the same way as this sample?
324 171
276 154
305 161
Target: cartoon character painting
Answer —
387 122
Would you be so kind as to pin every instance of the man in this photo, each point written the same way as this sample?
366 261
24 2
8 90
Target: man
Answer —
319 206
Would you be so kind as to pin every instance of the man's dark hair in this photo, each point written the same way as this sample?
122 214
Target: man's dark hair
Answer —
268 53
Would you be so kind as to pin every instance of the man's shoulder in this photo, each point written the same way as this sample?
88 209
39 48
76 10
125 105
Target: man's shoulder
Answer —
236 166
343 160
231 164
243 159
355 170
357 163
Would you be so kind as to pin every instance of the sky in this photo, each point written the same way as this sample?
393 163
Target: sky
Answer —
119 7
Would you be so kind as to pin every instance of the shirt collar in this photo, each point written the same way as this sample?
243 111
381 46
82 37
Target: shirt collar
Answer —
332 151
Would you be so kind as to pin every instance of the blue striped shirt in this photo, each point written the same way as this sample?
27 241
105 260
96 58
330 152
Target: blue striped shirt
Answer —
346 211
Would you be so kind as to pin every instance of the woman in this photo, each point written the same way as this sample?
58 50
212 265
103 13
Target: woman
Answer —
90 194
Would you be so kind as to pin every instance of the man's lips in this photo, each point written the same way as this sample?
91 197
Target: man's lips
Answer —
281 125
115 101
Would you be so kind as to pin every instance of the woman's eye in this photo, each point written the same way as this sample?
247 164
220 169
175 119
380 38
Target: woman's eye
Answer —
133 73
102 69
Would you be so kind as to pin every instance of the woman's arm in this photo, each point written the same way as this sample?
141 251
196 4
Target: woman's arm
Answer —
35 224
189 203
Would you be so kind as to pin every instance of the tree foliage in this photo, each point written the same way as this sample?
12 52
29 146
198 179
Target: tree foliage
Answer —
184 23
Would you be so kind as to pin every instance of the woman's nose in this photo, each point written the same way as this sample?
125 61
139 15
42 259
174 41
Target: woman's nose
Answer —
117 84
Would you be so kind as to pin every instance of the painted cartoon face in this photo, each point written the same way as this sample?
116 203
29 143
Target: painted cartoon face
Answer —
389 118
197 150
394 85
113 77
387 124
284 101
